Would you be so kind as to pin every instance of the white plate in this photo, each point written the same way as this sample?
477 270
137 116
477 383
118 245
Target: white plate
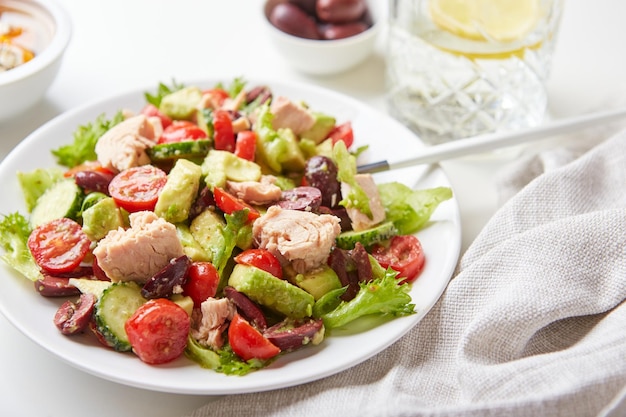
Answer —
32 314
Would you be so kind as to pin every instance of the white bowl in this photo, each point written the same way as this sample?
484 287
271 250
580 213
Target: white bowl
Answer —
24 85
325 57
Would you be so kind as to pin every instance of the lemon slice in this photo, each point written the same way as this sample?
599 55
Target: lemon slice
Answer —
499 20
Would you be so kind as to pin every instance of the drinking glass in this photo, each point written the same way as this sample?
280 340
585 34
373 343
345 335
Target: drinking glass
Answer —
460 68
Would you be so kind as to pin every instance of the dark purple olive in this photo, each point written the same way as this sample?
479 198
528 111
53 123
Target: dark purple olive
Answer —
321 172
293 20
301 198
307 5
50 286
261 94
162 284
72 318
246 307
292 334
93 181
340 11
340 31
204 200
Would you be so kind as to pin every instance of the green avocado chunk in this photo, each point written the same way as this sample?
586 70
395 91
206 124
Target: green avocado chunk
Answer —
318 282
320 130
179 193
274 293
101 218
181 104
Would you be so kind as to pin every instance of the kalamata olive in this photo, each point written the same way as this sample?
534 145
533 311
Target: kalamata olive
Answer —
301 198
93 181
340 11
340 31
307 5
162 284
321 172
246 307
260 94
205 199
292 334
72 318
51 286
293 20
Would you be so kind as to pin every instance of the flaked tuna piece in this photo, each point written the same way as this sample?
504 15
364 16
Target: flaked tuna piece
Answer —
302 238
256 192
240 124
210 321
138 253
359 220
234 104
288 114
124 145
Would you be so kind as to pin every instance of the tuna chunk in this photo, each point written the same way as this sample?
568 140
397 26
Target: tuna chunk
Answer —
303 238
255 192
361 221
211 320
288 114
138 253
124 146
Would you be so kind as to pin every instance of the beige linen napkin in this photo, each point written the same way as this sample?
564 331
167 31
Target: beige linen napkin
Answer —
532 324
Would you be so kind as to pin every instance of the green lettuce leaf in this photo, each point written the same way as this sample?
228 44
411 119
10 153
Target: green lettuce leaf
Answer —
14 232
383 295
346 171
409 209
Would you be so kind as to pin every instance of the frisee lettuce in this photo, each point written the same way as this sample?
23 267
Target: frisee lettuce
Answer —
384 295
85 138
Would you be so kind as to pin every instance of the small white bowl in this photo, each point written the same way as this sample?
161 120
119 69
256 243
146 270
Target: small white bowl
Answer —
23 86
325 57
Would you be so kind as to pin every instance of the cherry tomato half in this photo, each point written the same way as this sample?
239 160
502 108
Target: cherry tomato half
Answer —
202 282
247 342
229 204
245 146
158 330
151 110
262 259
137 188
181 130
224 137
404 255
218 95
59 245
342 132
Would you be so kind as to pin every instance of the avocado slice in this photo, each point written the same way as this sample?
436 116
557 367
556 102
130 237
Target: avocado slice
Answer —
101 218
179 192
274 293
320 129
181 104
318 282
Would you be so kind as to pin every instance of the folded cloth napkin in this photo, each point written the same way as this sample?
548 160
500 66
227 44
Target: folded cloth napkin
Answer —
532 324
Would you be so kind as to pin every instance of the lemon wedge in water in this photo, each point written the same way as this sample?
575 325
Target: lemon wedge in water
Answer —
499 20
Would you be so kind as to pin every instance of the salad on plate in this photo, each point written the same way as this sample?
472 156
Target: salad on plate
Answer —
228 225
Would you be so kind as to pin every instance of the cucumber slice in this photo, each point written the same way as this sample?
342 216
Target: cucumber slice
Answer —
368 237
117 303
189 149
63 199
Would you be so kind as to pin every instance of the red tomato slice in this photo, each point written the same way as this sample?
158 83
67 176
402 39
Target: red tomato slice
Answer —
224 137
229 204
342 132
59 246
262 259
202 282
137 188
245 147
158 330
151 110
181 130
404 255
247 342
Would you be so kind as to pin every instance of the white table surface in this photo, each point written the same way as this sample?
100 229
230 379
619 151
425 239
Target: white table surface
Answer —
119 45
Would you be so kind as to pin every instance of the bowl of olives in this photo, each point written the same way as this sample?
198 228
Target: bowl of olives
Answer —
323 37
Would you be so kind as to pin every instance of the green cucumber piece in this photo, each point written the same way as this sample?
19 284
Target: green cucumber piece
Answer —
117 303
368 237
188 149
63 199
